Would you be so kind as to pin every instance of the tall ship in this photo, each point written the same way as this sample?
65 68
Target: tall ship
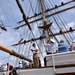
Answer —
24 22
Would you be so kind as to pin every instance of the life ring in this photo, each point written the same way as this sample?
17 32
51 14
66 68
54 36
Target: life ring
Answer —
14 72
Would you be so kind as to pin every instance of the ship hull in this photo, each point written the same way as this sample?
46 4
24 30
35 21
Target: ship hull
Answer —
63 64
46 71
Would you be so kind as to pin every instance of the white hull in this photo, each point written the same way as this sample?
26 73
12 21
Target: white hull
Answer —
64 61
45 71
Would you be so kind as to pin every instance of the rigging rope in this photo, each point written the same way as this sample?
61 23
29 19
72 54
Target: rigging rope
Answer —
59 25
63 23
34 36
31 6
68 26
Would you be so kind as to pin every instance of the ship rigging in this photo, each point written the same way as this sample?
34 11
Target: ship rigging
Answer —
40 21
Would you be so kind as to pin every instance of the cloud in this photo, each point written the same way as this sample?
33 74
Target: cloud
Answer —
0 63
1 17
8 38
71 24
63 0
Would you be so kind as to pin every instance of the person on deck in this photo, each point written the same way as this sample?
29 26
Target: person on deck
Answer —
62 46
50 48
9 66
34 49
72 46
20 64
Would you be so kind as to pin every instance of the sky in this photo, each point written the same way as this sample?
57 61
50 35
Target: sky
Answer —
10 15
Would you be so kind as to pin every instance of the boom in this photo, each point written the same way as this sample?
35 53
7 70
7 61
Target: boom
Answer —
11 52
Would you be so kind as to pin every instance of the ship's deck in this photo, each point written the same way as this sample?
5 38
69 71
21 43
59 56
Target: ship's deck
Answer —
67 65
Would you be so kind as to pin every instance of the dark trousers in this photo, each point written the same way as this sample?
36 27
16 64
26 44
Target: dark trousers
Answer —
39 62
45 62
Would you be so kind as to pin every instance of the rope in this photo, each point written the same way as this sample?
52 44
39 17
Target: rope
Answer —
64 27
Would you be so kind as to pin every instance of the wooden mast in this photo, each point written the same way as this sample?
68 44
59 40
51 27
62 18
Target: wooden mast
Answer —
45 26
11 52
38 19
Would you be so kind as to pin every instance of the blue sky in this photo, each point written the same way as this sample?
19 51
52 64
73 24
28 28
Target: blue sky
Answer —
10 15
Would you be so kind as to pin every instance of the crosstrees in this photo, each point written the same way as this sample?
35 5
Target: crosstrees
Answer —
48 16
48 10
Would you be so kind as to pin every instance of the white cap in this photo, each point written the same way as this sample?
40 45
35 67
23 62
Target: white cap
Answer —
52 40
20 62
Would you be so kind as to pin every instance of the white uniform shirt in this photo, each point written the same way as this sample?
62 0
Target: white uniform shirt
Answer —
34 48
50 47
20 64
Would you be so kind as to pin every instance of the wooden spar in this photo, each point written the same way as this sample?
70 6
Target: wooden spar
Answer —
42 37
47 16
48 10
24 16
11 52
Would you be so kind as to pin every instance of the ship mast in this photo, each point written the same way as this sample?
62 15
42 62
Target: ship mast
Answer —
45 26
58 6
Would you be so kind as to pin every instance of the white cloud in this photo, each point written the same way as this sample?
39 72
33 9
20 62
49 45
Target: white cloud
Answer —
71 24
63 0
1 17
0 63
8 38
